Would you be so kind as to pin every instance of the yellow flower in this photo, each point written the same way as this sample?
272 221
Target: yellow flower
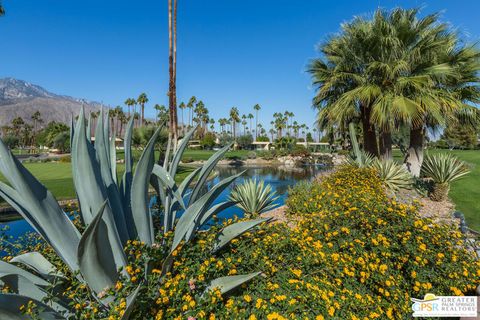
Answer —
247 298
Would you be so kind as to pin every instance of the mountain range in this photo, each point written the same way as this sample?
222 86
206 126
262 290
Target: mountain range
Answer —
19 98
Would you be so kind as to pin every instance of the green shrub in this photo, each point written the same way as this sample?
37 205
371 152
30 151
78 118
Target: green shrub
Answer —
299 197
263 139
187 160
245 141
66 159
251 155
208 141
254 197
300 151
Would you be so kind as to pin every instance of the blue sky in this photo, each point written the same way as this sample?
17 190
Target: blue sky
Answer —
230 52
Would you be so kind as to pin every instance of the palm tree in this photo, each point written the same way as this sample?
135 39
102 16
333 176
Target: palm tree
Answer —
36 118
141 100
256 108
129 103
234 116
2 11
250 117
190 105
182 107
172 61
394 70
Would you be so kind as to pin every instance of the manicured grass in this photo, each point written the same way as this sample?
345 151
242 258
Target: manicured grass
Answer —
197 155
465 192
57 176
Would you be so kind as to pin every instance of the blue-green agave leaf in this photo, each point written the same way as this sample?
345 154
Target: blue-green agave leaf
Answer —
179 152
95 255
139 193
203 218
183 187
10 308
113 157
104 160
38 263
89 129
7 268
205 172
196 210
91 190
38 206
168 182
23 286
131 299
234 230
126 184
226 284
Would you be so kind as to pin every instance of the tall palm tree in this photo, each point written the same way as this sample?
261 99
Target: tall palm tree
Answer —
130 102
256 108
250 117
190 105
172 61
141 100
235 117
182 107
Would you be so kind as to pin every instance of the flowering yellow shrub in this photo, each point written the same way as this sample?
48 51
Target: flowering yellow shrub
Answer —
357 255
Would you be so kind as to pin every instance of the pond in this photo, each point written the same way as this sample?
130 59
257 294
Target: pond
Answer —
280 178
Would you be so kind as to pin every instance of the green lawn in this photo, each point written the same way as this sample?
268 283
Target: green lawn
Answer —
465 192
205 154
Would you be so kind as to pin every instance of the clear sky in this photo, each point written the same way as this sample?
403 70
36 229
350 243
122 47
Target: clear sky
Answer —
230 52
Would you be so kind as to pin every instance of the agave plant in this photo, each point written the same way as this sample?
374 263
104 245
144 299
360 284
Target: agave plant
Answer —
254 197
360 158
443 169
393 175
113 212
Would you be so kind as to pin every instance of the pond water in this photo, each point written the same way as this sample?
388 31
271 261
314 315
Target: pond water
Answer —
280 178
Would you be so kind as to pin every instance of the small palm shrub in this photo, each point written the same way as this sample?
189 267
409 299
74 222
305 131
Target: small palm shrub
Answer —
393 175
359 158
443 169
254 197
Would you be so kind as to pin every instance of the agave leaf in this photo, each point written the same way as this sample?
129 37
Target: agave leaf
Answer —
88 132
38 206
226 284
139 193
234 230
183 187
205 172
126 184
168 182
102 147
196 210
91 190
202 219
10 308
72 129
179 152
113 157
7 269
23 286
96 256
131 299
37 262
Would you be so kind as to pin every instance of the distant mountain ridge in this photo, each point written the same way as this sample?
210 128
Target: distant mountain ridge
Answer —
19 98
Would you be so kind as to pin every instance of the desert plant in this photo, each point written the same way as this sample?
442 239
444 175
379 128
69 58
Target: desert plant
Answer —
251 155
443 169
113 213
393 175
359 158
254 197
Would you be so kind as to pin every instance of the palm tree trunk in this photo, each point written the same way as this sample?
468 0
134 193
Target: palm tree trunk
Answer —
369 136
256 125
414 157
386 145
171 62
143 114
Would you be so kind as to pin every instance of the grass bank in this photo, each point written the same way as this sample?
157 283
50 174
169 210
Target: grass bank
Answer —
465 192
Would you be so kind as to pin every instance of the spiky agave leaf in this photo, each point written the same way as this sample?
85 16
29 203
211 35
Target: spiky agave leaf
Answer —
139 193
10 308
96 257
254 197
393 175
38 206
444 168
235 230
38 263
226 284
